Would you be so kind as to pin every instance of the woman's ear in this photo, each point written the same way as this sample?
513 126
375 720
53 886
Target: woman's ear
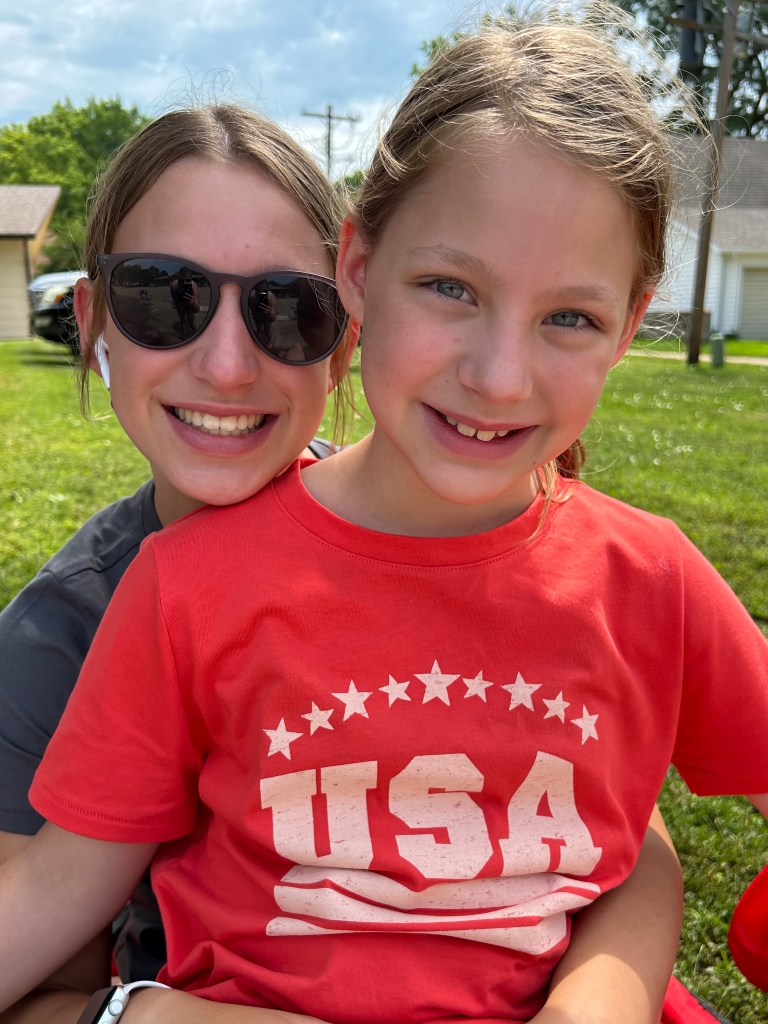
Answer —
84 317
350 270
634 319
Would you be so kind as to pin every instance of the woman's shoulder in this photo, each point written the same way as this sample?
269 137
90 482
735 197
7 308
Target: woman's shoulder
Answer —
109 537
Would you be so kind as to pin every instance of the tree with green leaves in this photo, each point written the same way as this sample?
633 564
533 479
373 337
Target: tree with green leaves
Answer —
748 106
68 147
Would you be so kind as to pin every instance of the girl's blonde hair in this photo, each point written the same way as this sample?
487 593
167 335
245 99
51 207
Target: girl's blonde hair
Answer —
555 81
218 132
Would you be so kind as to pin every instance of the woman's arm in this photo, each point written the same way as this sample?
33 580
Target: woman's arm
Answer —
61 997
623 946
56 894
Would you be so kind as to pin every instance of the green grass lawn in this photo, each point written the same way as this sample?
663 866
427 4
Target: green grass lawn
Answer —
735 347
689 444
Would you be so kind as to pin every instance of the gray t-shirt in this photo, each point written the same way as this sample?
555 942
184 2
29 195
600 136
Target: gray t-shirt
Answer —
45 634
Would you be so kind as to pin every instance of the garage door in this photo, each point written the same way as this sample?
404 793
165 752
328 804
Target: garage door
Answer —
753 322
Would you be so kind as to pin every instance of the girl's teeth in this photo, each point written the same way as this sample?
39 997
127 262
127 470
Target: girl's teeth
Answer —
481 435
220 426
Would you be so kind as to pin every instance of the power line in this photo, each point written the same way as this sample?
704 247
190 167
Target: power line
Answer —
329 117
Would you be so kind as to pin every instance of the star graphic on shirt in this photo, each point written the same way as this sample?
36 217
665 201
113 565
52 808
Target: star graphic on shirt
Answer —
436 683
280 740
476 687
395 691
521 692
354 701
318 719
587 725
556 707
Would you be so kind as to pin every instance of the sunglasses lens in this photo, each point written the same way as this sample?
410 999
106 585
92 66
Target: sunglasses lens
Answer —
295 319
159 303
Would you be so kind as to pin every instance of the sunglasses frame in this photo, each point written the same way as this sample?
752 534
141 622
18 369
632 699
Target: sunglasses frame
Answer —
107 263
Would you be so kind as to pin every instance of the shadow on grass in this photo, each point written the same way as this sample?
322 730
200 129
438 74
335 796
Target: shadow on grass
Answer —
48 360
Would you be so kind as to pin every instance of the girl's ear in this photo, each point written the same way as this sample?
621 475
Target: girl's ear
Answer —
84 317
633 322
350 270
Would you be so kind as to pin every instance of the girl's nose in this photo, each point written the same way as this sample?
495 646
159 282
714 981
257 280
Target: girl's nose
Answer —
498 364
225 355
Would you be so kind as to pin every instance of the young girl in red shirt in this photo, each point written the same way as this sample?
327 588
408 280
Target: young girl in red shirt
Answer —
400 715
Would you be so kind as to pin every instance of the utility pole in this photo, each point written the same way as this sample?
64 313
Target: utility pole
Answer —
329 117
710 200
730 33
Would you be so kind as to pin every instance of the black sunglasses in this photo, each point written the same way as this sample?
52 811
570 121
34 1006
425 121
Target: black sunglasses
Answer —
165 302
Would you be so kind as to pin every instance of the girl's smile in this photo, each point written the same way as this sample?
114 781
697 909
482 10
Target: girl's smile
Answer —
475 439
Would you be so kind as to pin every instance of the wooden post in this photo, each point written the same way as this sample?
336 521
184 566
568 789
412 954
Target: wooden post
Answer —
710 200
329 117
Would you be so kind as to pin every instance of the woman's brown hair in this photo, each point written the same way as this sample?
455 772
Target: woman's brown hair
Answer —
218 132
558 82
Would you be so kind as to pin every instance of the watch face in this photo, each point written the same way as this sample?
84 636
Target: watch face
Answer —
97 1004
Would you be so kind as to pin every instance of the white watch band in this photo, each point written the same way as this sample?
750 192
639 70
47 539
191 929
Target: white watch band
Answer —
119 1000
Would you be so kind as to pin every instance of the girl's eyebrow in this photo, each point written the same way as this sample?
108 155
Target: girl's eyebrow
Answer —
456 257
585 293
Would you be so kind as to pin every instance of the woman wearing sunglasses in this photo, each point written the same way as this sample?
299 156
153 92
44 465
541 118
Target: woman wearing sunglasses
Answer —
218 404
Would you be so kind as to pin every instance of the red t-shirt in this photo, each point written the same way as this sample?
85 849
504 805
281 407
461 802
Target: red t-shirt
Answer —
387 768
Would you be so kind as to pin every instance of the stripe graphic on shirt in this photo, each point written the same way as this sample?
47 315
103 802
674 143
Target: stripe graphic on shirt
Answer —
526 913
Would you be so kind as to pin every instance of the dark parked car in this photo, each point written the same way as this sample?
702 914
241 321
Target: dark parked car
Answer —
53 317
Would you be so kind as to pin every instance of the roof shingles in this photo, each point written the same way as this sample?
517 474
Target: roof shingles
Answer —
24 208
741 218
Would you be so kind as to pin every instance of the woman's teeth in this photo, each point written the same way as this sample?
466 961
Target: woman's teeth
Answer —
223 426
481 435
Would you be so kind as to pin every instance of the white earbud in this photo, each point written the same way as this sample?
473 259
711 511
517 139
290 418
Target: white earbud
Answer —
102 358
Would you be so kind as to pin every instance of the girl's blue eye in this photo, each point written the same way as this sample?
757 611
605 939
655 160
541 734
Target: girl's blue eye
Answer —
566 319
451 290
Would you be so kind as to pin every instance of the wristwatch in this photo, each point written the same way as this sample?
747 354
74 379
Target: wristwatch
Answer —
107 1005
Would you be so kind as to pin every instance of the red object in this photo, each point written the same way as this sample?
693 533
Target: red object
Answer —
388 767
748 935
681 1007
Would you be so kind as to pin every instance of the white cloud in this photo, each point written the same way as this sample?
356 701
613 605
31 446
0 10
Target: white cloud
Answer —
282 55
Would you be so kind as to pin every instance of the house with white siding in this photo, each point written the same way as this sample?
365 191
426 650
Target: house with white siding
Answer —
737 279
25 213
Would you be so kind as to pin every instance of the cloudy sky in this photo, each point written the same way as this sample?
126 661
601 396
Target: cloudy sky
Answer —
281 55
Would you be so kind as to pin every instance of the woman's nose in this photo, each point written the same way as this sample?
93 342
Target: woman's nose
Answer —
225 355
497 365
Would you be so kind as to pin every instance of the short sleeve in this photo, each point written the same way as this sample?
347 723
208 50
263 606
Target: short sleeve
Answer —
44 638
722 738
122 765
